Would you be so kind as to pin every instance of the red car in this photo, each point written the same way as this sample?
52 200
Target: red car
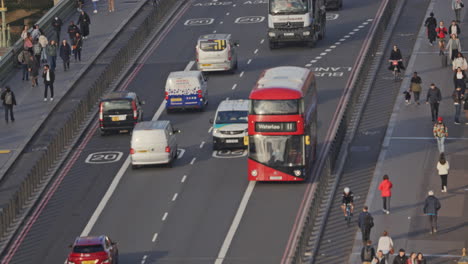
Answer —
93 250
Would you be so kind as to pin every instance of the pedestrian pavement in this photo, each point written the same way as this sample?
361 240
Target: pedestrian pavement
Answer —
31 110
409 156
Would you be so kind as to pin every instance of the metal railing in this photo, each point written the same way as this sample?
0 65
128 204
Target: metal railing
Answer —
62 140
10 59
343 117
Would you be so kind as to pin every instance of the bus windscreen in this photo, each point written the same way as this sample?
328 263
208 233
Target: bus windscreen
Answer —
275 107
277 151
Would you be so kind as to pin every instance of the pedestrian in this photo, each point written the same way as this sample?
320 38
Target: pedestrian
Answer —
459 79
51 51
23 59
441 31
37 50
43 41
453 46
379 259
36 32
433 98
454 28
367 253
72 30
65 53
95 6
459 62
401 258
28 43
412 258
79 4
431 24
431 208
443 170
33 68
440 133
111 5
365 223
9 100
57 25
385 189
415 87
421 259
77 45
24 32
465 108
458 97
385 245
84 23
457 6
49 78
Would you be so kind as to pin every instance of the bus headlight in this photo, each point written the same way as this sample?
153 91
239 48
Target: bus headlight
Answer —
306 33
254 173
297 173
215 130
271 34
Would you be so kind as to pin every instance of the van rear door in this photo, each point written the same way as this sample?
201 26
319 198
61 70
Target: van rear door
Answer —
149 146
182 92
213 51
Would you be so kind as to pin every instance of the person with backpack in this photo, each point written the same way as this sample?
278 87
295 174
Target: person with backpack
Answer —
401 258
37 51
385 189
23 59
431 208
440 133
9 100
365 223
367 253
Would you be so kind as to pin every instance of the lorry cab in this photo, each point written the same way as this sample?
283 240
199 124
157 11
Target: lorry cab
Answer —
216 52
153 142
186 90
230 124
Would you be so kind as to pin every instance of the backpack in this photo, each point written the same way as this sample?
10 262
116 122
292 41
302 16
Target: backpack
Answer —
37 49
8 98
368 221
367 253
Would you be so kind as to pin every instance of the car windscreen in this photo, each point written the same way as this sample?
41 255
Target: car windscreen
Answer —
88 249
231 117
213 45
117 105
275 107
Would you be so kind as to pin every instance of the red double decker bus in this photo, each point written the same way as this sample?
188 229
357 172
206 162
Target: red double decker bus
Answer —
282 125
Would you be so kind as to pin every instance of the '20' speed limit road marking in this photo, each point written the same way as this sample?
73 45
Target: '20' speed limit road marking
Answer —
104 157
199 21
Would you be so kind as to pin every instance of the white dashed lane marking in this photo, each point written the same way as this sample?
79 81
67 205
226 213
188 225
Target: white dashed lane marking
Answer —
155 236
164 216
202 144
261 41
234 86
255 51
249 61
193 161
174 197
183 178
241 74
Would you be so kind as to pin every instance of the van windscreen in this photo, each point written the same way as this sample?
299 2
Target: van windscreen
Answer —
117 105
213 45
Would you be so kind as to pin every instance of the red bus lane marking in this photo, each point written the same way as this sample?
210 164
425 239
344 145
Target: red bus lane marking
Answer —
291 244
11 252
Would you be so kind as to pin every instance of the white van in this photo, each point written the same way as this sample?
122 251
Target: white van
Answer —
153 142
186 90
230 124
216 52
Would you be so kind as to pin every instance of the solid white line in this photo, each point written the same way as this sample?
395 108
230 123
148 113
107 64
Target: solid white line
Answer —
202 143
175 196
249 61
261 41
235 223
241 74
164 216
193 161
155 236
426 138
183 178
234 86
210 129
255 51
189 66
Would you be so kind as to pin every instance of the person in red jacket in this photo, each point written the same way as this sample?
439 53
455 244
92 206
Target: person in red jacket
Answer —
385 188
441 31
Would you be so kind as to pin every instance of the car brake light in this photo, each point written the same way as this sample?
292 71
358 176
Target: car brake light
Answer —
168 149
101 117
135 116
132 151
167 96
196 54
200 95
229 54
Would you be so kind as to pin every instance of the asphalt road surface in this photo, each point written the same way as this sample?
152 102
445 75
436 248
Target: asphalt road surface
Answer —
183 214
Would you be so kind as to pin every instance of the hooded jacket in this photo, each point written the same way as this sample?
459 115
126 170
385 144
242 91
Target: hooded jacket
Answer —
431 205
385 188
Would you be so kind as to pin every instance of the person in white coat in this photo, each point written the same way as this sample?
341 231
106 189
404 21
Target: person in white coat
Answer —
443 169
385 245
457 6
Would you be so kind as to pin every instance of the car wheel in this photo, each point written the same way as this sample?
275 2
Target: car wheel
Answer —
169 111
134 167
103 133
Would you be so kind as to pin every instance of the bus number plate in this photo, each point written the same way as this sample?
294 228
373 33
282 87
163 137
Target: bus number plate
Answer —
232 141
289 34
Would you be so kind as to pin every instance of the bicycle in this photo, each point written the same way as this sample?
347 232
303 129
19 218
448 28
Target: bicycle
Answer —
396 72
348 214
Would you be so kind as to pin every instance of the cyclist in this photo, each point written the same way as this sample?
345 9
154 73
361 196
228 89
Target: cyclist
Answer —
395 57
441 32
347 198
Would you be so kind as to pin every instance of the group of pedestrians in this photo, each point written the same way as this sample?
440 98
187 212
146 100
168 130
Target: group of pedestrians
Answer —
384 249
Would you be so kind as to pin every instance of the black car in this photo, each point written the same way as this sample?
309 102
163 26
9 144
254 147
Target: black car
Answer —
334 4
119 111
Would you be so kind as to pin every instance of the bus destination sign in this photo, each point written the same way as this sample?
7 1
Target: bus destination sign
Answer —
275 127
